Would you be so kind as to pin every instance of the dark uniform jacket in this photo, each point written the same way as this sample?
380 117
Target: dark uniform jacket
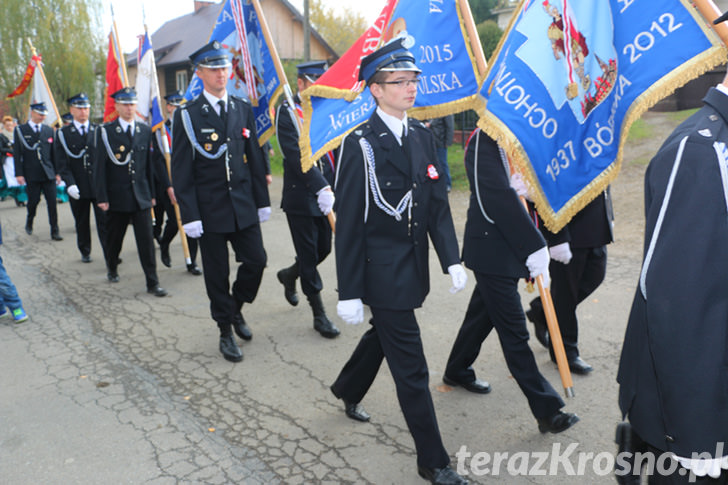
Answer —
299 188
161 174
382 261
27 163
500 243
76 171
673 372
591 227
224 200
128 187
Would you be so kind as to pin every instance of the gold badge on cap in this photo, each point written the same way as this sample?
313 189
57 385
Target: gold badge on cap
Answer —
208 146
214 137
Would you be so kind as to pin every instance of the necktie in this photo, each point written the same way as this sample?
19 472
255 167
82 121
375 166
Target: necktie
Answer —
83 130
37 129
129 134
223 115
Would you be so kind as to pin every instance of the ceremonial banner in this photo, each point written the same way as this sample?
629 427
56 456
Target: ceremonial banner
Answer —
570 76
27 77
446 48
254 74
147 87
115 76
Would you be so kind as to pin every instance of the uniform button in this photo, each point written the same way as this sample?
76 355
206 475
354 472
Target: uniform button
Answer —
228 139
415 224
389 183
414 186
486 233
415 204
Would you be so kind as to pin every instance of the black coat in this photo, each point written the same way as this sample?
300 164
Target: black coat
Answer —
27 163
501 245
77 171
161 174
128 187
201 185
673 373
299 188
591 227
381 261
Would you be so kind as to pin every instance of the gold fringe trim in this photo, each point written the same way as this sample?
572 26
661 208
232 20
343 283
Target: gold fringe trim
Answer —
265 136
422 113
555 221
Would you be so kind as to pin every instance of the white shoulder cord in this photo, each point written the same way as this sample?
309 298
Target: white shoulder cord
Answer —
110 152
404 204
67 150
187 123
475 179
25 144
660 218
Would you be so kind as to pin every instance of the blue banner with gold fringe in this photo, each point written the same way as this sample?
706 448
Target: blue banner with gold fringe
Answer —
570 77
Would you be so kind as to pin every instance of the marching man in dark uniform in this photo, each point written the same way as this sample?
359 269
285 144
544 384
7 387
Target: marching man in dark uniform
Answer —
578 266
307 199
501 245
124 186
673 372
218 174
74 152
382 249
35 165
166 198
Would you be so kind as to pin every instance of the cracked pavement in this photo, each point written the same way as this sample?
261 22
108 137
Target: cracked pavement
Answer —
107 384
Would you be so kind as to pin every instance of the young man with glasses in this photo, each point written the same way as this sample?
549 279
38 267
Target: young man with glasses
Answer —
392 199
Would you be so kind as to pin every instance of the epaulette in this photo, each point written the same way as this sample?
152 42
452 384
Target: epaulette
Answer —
362 129
415 122
240 98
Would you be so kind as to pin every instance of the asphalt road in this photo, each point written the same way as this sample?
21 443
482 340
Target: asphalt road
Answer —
107 384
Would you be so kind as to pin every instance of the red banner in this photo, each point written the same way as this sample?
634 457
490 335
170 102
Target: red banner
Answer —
113 80
26 78
344 74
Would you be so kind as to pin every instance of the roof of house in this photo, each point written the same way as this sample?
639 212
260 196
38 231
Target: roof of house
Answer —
176 39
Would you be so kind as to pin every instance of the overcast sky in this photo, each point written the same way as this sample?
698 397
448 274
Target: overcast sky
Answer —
129 14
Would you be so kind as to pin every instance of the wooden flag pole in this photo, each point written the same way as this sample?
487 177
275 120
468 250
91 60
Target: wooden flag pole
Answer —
286 87
710 12
553 325
164 143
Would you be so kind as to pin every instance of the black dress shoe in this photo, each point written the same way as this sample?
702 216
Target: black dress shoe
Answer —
241 328
353 410
112 276
325 327
157 290
56 236
194 269
558 422
476 385
229 349
540 329
164 252
441 476
85 258
29 229
287 277
578 366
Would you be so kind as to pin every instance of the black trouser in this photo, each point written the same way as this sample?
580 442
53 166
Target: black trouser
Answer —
570 285
496 304
81 210
48 188
395 335
117 223
248 247
165 206
312 242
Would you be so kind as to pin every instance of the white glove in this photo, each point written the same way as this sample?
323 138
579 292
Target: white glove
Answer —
459 277
561 253
538 264
193 229
325 200
263 214
74 192
519 185
351 311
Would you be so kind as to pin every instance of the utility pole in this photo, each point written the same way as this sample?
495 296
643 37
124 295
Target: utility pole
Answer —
306 32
